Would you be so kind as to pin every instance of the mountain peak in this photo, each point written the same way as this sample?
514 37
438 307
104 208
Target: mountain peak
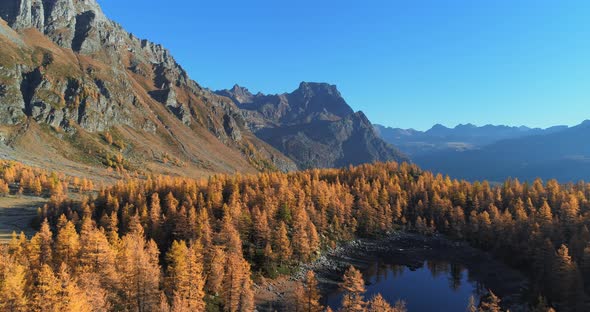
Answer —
239 90
240 95
438 129
317 88
466 126
439 126
361 115
50 15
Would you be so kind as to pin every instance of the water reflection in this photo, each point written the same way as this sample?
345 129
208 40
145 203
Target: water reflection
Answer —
432 286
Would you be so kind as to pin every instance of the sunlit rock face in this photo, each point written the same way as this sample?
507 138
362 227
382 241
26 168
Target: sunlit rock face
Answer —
66 65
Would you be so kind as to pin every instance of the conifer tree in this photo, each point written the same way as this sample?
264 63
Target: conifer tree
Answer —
282 244
353 286
378 304
471 306
247 295
13 297
307 296
96 254
4 189
216 271
47 288
40 247
566 280
98 296
72 298
185 272
490 303
236 286
301 246
67 243
139 269
17 247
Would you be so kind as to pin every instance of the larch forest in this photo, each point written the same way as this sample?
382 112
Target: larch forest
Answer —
127 185
177 244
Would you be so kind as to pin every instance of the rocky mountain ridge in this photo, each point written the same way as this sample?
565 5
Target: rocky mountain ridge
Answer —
65 65
74 82
460 138
556 153
313 125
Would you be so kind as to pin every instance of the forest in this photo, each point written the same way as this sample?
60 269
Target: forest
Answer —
176 244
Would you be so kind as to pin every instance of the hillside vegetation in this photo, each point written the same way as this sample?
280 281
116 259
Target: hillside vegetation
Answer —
143 243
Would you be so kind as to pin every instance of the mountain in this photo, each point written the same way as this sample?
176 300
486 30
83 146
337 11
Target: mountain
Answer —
77 91
562 155
461 138
313 125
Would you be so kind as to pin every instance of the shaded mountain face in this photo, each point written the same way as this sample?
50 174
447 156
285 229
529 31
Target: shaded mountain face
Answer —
313 125
461 138
70 77
309 103
558 153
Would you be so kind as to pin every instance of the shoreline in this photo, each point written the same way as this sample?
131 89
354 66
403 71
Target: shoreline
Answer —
404 249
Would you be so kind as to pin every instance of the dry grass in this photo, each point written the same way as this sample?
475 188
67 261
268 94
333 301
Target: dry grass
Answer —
195 150
16 215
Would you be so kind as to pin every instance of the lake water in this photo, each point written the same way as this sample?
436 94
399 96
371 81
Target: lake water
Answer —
434 287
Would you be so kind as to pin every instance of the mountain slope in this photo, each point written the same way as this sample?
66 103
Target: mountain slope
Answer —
562 155
313 125
463 137
79 85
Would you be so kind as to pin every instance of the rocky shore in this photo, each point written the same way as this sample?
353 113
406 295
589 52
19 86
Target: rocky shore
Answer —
405 249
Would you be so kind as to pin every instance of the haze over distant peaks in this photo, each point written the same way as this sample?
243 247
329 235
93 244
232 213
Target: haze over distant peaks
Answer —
498 152
461 137
555 153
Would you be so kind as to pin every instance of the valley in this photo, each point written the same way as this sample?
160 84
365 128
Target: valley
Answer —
496 153
128 186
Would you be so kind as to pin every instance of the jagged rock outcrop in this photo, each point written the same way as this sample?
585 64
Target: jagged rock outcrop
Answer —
310 102
23 13
64 64
60 102
313 125
168 97
76 24
69 67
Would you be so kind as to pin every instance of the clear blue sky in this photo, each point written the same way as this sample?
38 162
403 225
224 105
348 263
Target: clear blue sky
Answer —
410 63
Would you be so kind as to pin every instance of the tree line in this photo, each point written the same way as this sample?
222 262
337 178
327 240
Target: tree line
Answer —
19 179
183 243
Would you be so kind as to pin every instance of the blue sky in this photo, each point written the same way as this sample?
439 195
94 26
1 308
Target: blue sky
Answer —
405 63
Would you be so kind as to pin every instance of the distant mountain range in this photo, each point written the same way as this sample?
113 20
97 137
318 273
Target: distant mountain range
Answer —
461 138
313 125
498 152
78 92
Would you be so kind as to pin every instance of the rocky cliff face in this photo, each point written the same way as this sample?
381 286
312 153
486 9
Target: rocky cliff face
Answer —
313 125
76 24
78 75
310 102
65 65
80 26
